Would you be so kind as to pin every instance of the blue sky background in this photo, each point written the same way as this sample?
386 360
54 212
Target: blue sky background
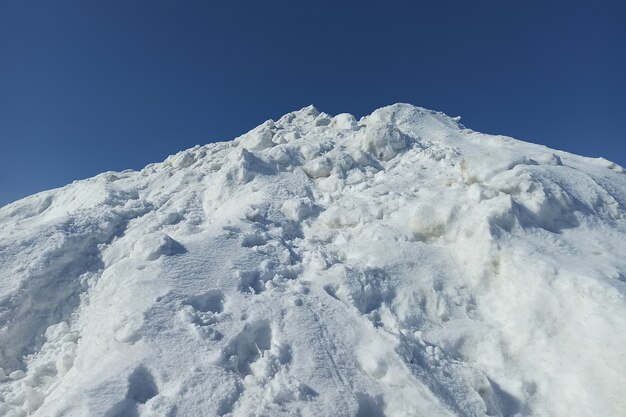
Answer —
91 86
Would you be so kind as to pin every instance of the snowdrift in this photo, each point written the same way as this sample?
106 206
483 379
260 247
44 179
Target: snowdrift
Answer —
397 265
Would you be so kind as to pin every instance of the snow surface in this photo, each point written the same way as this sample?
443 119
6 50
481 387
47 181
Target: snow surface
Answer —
398 265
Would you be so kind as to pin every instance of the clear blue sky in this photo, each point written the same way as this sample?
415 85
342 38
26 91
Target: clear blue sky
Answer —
90 86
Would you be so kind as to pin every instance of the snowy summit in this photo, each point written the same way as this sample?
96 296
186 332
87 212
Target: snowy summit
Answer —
397 265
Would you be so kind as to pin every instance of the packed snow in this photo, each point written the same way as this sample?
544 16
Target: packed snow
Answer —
318 265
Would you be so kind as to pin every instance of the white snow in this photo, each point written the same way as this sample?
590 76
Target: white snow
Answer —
398 265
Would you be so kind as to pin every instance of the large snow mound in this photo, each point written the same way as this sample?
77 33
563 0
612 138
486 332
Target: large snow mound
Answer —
397 265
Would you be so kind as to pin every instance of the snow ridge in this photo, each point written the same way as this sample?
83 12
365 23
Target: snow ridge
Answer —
318 265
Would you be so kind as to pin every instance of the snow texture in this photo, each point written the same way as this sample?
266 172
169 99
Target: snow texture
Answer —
398 265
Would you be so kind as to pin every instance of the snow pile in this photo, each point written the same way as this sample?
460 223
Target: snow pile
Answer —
398 265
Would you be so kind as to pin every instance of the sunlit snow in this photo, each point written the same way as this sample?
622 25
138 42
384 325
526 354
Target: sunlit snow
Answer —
397 265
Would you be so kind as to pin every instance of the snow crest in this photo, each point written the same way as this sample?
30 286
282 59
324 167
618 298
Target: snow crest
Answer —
318 265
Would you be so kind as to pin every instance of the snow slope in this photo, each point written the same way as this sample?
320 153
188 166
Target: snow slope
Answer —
398 265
